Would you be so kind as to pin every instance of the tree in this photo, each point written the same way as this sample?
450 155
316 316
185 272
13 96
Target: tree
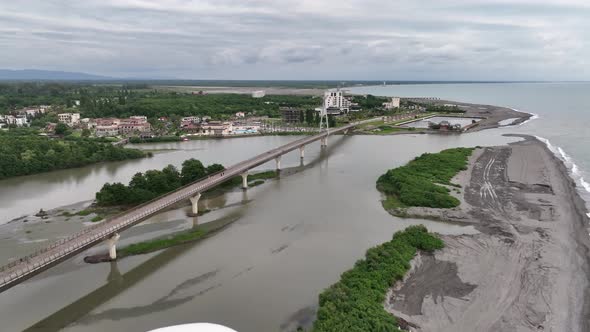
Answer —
192 170
61 129
301 117
85 132
214 168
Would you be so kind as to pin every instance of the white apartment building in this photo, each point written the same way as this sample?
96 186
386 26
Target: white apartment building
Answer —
139 117
336 99
393 103
69 118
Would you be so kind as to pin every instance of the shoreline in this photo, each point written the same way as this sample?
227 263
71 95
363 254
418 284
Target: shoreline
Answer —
529 266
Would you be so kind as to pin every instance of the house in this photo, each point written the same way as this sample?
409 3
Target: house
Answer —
240 115
71 119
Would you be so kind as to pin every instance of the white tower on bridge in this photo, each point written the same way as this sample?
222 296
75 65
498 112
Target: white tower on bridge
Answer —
324 115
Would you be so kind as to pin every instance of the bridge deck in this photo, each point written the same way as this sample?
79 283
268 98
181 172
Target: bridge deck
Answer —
26 267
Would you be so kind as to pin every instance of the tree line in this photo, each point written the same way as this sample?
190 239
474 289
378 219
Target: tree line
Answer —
23 153
153 183
416 184
355 303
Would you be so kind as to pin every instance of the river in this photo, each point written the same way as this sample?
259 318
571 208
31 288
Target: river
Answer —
292 238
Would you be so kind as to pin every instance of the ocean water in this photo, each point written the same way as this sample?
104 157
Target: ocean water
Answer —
561 114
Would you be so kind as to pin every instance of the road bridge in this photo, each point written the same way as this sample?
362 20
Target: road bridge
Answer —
109 230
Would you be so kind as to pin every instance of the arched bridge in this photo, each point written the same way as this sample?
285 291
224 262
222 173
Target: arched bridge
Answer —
108 230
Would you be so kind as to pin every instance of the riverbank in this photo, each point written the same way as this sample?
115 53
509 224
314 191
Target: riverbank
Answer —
528 270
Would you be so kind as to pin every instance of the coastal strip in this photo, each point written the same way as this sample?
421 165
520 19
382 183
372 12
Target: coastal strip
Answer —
527 270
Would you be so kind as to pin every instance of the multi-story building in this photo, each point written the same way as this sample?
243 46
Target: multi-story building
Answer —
133 126
393 103
71 119
290 114
106 130
337 99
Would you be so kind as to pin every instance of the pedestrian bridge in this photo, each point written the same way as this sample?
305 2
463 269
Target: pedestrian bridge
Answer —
108 230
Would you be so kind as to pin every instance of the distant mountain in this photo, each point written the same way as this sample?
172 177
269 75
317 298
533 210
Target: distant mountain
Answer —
47 75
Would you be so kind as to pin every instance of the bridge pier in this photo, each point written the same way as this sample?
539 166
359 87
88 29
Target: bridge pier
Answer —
278 160
324 141
195 203
245 180
302 152
112 241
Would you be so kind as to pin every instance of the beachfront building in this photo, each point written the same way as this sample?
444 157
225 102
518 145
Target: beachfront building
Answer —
392 104
258 94
290 114
71 119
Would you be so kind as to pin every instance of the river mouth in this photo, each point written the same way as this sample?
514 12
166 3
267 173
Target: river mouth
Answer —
293 238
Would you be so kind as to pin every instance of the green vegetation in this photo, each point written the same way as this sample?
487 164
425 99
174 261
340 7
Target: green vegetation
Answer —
96 219
355 303
197 233
157 244
153 183
23 153
416 184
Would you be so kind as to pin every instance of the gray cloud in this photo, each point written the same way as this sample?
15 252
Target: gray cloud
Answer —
303 39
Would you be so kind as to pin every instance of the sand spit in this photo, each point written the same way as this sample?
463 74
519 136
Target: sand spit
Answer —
527 271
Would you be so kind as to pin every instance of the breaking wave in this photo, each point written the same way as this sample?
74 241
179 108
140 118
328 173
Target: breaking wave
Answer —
573 169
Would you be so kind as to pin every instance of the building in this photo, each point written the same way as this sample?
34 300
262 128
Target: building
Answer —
290 114
71 119
106 130
392 104
240 115
336 99
258 94
139 117
11 120
134 125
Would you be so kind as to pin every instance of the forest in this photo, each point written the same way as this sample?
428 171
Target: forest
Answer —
23 153
417 183
355 303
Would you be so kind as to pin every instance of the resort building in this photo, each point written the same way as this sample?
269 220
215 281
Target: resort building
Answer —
336 99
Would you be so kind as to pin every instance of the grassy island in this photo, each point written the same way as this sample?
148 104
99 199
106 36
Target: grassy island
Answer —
355 303
423 181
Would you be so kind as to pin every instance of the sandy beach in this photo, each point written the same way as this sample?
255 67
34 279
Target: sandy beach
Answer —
527 270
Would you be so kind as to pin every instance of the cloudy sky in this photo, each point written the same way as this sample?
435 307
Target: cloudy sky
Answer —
301 39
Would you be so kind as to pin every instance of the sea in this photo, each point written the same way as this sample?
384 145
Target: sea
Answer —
561 114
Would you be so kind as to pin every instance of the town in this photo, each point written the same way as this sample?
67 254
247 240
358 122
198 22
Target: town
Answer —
340 107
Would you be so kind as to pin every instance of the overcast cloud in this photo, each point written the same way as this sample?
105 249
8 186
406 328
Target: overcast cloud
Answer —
303 39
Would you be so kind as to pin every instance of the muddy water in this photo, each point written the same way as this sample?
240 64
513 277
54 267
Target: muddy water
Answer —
291 238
